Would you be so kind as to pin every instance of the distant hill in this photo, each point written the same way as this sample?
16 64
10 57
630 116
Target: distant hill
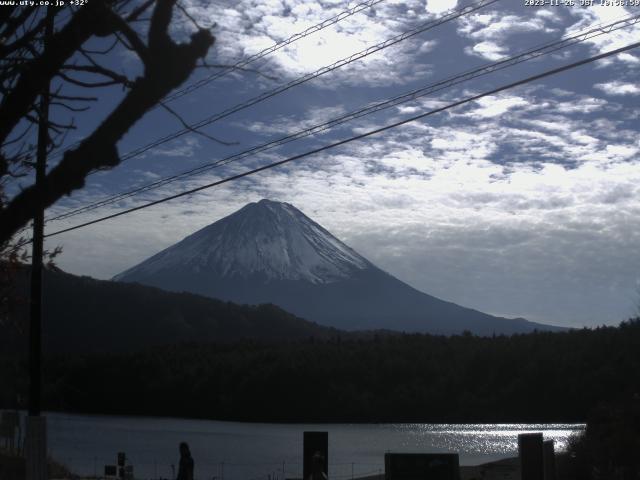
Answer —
270 252
82 314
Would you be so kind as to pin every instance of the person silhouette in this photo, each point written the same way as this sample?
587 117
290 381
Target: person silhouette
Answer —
185 468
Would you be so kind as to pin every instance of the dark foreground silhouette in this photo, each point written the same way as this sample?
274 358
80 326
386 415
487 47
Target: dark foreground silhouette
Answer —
609 447
538 377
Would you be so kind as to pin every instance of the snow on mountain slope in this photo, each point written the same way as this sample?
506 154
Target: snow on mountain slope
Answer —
270 252
269 239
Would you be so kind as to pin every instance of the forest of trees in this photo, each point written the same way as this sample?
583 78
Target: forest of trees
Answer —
538 377
83 315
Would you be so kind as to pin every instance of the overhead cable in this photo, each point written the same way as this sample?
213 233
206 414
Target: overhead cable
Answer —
263 53
530 54
242 63
310 76
308 153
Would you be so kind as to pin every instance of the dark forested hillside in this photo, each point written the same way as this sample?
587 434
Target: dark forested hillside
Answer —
85 315
422 378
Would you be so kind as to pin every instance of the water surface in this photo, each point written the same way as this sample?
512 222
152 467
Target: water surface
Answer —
257 451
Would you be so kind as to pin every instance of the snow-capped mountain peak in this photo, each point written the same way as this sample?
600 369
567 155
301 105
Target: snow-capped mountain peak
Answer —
267 239
270 252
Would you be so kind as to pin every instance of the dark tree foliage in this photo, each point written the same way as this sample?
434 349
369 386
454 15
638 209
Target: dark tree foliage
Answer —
538 377
85 315
54 49
608 448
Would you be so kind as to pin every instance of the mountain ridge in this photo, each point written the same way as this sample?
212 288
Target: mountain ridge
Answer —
271 252
85 315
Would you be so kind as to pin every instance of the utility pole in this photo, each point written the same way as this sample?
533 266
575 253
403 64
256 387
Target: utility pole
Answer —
36 441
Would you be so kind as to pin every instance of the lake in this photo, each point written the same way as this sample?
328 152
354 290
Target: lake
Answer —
257 451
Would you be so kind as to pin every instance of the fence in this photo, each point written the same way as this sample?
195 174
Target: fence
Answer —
213 469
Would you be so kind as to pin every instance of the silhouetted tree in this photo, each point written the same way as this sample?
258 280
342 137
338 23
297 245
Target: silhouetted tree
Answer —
537 377
608 448
28 63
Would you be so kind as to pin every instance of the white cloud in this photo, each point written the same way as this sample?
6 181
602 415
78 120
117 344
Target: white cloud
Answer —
494 26
440 6
629 58
549 14
617 88
598 15
185 147
494 106
247 27
491 32
489 50
282 125
427 46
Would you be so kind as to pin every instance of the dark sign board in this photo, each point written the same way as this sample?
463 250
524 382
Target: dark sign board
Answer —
421 466
316 455
531 456
110 471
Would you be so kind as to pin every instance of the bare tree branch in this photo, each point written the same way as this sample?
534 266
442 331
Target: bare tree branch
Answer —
11 24
107 50
134 15
167 66
135 43
74 98
97 69
81 83
24 40
193 130
69 107
189 16
37 73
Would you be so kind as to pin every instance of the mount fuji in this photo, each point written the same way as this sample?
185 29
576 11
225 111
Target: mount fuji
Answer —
270 252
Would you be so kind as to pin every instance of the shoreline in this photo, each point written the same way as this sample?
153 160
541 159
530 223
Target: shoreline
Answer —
505 469
134 415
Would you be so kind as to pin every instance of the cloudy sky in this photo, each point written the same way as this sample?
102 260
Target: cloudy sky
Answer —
525 203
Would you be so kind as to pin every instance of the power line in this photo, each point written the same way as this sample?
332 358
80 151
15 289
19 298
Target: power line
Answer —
530 54
533 53
452 15
305 78
263 53
539 76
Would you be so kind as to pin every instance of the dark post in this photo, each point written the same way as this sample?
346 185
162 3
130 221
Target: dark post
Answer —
36 426
121 465
549 460
315 444
531 456
35 323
